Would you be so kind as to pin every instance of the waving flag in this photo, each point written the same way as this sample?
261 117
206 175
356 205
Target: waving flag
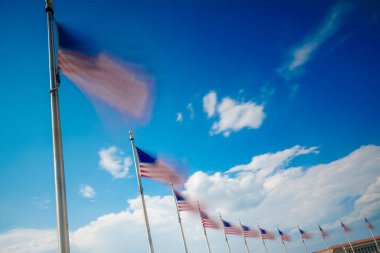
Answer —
266 234
305 235
183 204
284 236
248 232
119 85
206 221
151 167
369 224
231 229
324 233
345 228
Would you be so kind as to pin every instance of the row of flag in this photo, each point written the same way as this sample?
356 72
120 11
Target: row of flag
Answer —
153 168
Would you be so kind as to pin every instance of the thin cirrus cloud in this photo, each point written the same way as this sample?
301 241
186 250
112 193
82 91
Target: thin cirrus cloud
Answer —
233 115
281 195
303 53
87 191
179 117
114 162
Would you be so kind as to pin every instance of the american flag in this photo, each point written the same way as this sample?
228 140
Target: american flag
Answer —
119 85
206 221
231 229
153 168
248 232
369 224
266 234
304 234
324 233
345 228
183 204
284 236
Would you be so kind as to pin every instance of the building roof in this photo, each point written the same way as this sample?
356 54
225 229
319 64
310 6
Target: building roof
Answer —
370 239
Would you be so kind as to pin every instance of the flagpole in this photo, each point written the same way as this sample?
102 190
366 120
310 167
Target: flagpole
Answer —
245 240
283 243
324 239
370 230
265 246
59 174
179 218
304 243
137 166
204 229
228 245
349 242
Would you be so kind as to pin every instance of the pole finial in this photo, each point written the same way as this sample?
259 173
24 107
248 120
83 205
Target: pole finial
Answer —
131 135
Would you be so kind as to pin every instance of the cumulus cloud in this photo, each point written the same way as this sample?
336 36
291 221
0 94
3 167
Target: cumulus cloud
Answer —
233 115
209 103
283 194
113 161
179 117
304 52
87 191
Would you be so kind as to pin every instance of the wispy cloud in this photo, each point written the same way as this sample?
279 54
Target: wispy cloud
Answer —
87 191
233 115
179 117
303 53
191 110
113 161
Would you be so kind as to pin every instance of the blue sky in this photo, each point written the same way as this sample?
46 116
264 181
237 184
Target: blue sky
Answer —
283 94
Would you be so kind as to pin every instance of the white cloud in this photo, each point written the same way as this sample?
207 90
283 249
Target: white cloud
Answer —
191 110
87 191
179 117
113 161
209 103
304 52
233 116
283 194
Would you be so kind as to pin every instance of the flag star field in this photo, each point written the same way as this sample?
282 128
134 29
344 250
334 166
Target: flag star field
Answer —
267 112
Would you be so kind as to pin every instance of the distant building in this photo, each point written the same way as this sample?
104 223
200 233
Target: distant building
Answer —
361 246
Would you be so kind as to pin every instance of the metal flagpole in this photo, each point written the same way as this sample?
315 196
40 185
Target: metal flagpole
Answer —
59 174
245 240
283 243
262 239
204 230
228 245
324 239
349 242
370 230
179 218
137 166
304 243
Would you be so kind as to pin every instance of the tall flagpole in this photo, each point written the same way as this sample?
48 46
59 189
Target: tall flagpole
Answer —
228 245
262 239
137 166
245 240
283 243
179 218
204 230
59 174
324 239
348 240
370 230
304 243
